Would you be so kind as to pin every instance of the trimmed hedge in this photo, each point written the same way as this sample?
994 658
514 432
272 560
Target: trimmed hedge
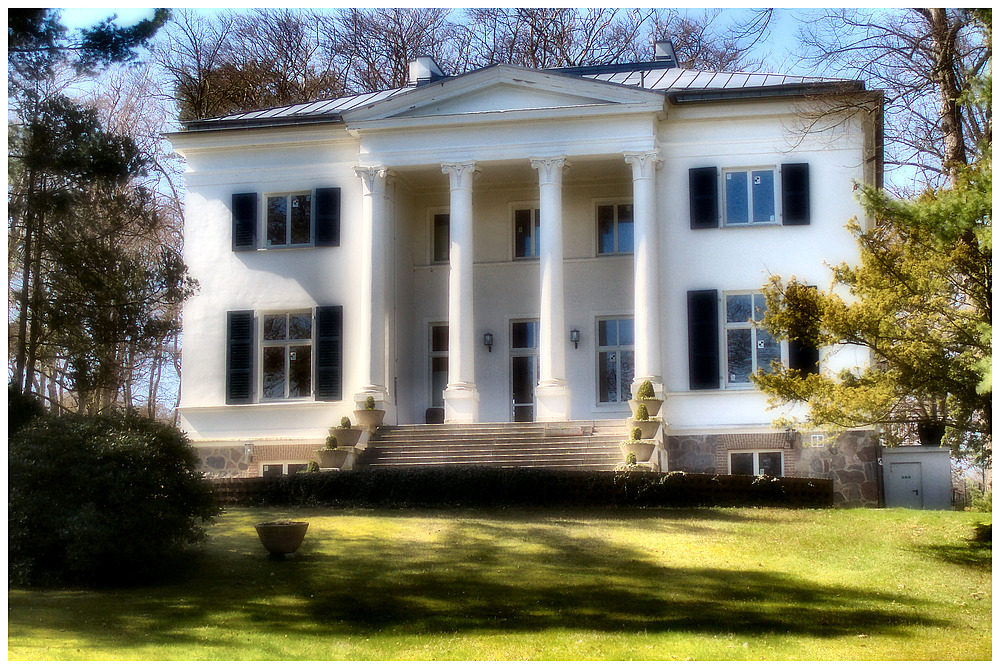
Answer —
490 487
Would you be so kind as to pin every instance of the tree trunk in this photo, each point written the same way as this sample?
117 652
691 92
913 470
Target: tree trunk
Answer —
943 35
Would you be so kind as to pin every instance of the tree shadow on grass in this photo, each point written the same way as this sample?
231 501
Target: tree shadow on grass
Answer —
976 551
478 574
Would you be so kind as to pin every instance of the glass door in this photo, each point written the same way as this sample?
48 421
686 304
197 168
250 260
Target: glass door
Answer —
523 369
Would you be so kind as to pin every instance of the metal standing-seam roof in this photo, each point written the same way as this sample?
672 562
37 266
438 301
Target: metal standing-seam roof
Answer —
679 84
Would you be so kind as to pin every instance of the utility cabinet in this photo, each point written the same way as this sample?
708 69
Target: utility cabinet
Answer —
917 477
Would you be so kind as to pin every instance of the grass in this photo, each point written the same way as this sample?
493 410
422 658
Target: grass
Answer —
709 584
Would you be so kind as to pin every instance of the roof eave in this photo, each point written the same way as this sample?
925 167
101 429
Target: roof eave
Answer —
782 91
244 123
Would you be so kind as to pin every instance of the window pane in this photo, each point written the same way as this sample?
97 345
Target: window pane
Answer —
277 214
607 376
737 308
627 374
606 229
439 379
296 468
299 326
439 337
537 237
522 233
759 306
271 471
741 463
442 237
770 463
768 350
274 372
738 355
300 371
625 228
763 196
300 219
522 380
626 332
274 328
607 333
520 335
737 204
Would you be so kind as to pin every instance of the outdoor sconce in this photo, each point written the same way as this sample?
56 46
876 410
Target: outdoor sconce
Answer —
488 341
790 436
574 336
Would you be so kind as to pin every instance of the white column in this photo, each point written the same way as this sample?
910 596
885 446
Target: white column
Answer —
374 224
461 398
552 394
647 275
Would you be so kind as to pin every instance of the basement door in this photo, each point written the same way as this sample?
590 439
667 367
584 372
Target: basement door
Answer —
905 487
523 369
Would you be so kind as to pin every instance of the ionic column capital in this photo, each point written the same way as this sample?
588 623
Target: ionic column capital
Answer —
460 175
644 163
550 169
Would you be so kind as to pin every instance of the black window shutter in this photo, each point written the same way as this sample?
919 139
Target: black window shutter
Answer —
703 339
239 357
327 217
244 221
329 353
795 194
704 193
802 358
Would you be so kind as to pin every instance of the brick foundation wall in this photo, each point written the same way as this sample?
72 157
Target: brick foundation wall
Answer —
235 462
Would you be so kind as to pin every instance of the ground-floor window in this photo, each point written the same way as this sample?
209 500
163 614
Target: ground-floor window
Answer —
756 463
282 469
439 364
615 359
287 355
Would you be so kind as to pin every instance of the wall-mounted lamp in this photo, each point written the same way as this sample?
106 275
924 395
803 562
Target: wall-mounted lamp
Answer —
791 434
574 336
488 341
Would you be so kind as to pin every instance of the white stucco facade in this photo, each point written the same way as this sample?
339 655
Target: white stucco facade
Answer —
485 148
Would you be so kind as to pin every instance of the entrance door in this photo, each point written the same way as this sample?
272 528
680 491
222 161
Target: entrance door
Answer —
905 488
523 369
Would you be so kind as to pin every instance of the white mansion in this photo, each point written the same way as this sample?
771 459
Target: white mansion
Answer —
513 245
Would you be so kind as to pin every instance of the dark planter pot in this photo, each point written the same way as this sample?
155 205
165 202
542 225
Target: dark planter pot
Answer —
281 537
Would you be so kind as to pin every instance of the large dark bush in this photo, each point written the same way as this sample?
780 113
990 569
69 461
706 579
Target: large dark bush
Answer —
21 409
106 499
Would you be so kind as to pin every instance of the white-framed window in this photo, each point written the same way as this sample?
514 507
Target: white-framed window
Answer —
757 463
747 347
440 222
288 219
272 469
286 355
614 228
749 196
615 359
526 232
438 363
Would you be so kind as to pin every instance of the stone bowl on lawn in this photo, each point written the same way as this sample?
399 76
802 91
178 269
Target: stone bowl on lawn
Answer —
281 537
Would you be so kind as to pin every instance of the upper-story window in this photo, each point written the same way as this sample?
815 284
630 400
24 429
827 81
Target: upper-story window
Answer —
289 219
526 233
440 237
614 228
750 196
749 348
286 358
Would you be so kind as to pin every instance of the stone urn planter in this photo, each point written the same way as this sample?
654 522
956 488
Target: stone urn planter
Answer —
281 537
332 458
652 405
369 418
648 427
643 449
346 436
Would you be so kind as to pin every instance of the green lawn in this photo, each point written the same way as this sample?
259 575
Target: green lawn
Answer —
712 584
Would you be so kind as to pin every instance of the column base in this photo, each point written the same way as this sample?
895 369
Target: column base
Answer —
658 388
461 403
552 401
378 393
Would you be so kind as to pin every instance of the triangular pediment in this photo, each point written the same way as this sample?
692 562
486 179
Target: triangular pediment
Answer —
503 89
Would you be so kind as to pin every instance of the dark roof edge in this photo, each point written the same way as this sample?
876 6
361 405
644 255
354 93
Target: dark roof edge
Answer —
782 91
268 121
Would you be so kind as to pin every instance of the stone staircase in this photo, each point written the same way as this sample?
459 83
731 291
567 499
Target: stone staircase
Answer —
582 445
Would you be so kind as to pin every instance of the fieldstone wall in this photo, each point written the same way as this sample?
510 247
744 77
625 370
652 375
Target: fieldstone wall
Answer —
851 462
224 462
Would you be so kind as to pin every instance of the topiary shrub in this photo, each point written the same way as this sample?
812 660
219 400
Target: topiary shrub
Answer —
312 467
369 402
636 434
630 460
345 422
102 500
331 442
645 391
641 412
